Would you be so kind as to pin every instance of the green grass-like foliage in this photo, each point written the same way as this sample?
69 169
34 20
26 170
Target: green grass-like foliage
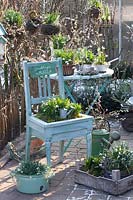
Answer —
51 18
13 17
100 58
59 41
84 56
67 55
92 166
31 168
116 158
119 157
95 3
50 110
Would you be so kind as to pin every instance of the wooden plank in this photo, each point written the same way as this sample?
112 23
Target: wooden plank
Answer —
4 160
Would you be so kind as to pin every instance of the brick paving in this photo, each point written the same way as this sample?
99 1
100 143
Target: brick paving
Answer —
62 186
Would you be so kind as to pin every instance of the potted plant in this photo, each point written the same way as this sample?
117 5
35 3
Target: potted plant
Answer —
84 58
113 168
31 177
13 18
67 56
49 26
118 158
100 61
58 109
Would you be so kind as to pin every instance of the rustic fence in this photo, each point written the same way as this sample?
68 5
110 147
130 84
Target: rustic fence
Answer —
12 115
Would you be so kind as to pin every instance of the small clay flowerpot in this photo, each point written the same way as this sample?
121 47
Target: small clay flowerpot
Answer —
49 29
35 145
68 70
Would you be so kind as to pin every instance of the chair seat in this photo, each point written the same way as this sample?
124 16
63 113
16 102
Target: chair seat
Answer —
61 130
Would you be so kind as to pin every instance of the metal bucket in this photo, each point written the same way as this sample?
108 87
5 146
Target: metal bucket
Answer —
31 184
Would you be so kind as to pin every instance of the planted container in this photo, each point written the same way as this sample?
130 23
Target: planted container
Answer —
114 187
67 56
111 171
31 177
31 184
100 61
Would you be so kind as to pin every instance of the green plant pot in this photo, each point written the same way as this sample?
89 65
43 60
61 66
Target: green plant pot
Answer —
31 184
97 141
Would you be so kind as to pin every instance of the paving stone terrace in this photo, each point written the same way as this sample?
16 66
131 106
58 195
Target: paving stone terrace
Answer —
62 186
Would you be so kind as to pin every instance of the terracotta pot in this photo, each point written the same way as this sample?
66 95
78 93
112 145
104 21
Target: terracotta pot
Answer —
35 144
68 70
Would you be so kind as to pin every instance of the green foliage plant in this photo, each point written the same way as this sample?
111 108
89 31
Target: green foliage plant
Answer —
84 56
119 157
51 18
106 16
13 17
50 110
121 92
92 166
100 58
30 168
59 41
95 3
67 55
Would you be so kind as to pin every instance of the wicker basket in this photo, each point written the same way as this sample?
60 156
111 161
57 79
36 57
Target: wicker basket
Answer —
68 70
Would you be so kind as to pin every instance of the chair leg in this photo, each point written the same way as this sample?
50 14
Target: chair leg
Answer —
48 152
61 151
28 140
89 143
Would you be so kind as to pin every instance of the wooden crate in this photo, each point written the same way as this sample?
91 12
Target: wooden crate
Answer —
101 183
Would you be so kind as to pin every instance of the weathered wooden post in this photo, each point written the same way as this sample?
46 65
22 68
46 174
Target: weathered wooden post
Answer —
3 42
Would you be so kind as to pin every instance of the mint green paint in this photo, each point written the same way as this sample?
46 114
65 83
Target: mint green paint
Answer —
31 184
3 40
2 30
55 131
97 142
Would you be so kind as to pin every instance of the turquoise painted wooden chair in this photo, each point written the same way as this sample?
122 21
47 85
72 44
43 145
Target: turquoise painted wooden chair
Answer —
55 131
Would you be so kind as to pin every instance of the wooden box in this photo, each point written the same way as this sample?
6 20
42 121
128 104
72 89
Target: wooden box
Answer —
101 183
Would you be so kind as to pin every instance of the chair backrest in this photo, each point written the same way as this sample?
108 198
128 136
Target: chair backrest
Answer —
37 77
